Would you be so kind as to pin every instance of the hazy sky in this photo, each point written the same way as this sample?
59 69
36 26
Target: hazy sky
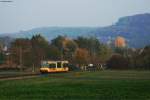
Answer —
28 14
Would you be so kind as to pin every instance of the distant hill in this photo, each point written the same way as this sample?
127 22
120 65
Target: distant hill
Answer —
135 29
52 32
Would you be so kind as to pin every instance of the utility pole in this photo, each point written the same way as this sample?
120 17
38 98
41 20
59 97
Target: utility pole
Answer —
61 53
33 68
20 57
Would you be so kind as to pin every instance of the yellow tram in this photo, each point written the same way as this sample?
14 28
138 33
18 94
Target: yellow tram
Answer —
54 66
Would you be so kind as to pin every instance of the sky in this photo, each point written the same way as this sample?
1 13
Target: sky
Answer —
21 15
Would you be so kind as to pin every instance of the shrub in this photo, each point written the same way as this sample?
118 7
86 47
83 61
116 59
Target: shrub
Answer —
117 61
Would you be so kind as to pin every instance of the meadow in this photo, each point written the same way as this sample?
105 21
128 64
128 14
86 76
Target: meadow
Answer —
100 85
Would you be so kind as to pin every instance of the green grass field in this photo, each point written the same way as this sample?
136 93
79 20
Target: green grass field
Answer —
102 85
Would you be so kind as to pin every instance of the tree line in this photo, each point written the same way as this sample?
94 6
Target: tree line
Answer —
25 53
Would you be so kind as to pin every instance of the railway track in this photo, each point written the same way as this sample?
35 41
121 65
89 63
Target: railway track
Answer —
18 76
30 75
5 76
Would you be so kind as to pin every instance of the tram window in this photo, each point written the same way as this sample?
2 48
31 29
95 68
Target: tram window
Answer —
52 65
58 64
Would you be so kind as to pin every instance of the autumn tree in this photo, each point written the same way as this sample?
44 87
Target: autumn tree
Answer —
21 52
97 50
53 53
81 56
66 46
69 48
143 58
104 54
40 48
2 58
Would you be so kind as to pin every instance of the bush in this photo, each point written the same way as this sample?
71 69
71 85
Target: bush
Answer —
117 61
